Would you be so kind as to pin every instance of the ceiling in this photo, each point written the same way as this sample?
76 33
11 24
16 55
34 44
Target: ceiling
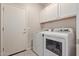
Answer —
24 4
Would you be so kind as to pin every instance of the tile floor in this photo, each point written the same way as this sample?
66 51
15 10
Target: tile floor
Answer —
26 53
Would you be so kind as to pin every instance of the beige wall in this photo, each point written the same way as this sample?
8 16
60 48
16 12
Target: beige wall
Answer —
65 22
33 16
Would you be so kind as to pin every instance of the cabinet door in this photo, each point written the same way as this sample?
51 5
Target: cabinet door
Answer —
67 9
49 13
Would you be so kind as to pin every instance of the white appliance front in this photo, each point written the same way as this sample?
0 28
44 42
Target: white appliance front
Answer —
54 46
38 45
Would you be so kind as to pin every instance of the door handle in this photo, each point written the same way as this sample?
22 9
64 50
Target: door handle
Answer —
24 32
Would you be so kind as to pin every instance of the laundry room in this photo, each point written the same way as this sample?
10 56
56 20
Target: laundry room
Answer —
58 20
39 29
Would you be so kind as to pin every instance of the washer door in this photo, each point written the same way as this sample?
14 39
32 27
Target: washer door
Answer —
54 46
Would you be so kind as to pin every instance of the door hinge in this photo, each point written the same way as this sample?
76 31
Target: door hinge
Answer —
3 8
3 49
3 28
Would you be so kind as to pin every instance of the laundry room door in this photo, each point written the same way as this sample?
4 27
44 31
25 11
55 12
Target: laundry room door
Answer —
14 30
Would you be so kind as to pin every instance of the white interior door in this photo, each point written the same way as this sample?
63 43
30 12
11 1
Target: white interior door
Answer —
14 30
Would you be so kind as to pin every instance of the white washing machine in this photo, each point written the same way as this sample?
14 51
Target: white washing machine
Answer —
60 42
38 43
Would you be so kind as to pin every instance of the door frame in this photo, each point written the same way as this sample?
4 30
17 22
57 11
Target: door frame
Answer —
2 7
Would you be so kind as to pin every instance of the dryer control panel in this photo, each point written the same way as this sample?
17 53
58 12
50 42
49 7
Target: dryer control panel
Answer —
63 30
